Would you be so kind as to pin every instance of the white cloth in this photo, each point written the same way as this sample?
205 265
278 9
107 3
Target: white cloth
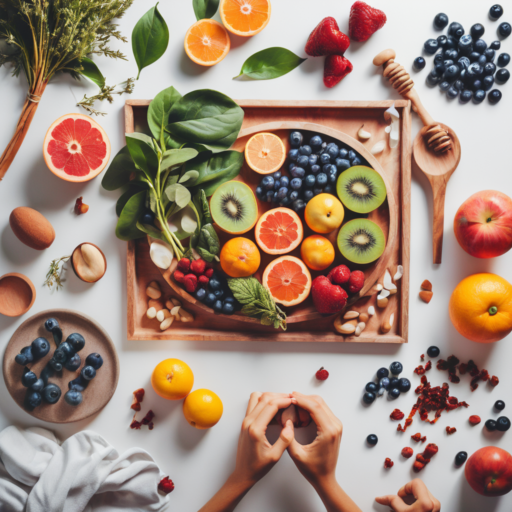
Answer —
83 474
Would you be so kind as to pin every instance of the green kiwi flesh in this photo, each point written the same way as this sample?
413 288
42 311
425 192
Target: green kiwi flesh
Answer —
361 189
361 241
234 208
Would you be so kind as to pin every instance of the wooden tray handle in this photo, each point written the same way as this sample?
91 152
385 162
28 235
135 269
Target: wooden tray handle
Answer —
438 184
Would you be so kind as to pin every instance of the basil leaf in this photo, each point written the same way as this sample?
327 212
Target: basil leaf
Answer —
141 150
158 116
270 63
173 157
205 8
91 71
126 228
215 170
189 175
208 245
206 117
150 38
178 194
119 171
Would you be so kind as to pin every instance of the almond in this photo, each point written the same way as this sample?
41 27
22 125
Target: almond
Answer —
364 317
426 285
426 296
31 228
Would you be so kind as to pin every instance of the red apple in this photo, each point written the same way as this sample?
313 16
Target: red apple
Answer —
489 471
328 298
483 224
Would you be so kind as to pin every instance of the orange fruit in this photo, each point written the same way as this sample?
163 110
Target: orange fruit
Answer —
288 280
279 231
240 257
172 379
324 213
207 42
76 148
265 153
202 409
481 308
245 17
317 252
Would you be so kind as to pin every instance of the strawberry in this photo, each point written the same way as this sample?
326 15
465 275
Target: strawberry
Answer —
184 265
336 68
190 283
208 272
327 297
203 281
356 282
339 275
166 485
364 21
322 374
198 267
179 276
326 39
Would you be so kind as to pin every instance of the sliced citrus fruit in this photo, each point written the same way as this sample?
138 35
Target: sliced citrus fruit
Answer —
288 280
265 153
279 231
245 17
76 148
207 42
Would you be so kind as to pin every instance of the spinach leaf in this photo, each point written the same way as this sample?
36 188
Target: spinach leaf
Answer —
142 152
206 117
158 116
205 8
270 63
215 169
150 38
208 245
189 175
92 72
203 208
150 230
119 171
126 228
178 194
123 199
173 157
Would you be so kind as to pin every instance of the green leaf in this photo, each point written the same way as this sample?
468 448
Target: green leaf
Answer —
126 228
270 63
123 199
178 194
173 157
205 8
267 319
189 175
142 152
203 208
150 230
92 72
119 171
208 245
214 170
206 117
158 116
150 38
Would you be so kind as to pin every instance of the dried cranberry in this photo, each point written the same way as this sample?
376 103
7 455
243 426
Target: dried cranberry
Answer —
451 430
474 420
388 463
407 452
397 414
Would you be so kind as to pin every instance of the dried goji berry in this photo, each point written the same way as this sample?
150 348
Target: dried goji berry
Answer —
407 452
417 437
474 420
397 414
494 381
451 430
388 463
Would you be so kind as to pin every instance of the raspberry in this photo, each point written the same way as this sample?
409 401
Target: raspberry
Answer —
203 281
184 265
322 374
208 273
474 420
138 396
166 485
388 463
451 430
179 276
364 21
190 283
339 275
356 282
198 267
407 452
397 415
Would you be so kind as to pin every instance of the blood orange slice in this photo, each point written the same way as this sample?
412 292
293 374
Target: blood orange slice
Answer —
288 280
279 231
76 148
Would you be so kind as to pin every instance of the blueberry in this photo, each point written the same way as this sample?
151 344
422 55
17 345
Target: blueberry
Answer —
489 55
332 178
88 373
315 169
499 405
310 180
326 169
440 68
342 164
494 96
73 363
317 191
267 182
384 383
447 63
482 60
396 368
371 387
459 85
475 70
293 154
260 193
94 360
296 184
431 46
433 78
321 179
369 398
451 72
38 385
302 161
487 83
456 30
295 139
282 193
460 458
217 306
382 372
479 96
230 300
73 397
325 158
404 385
228 308
76 342
285 202
313 160
442 40
285 181
305 150
148 218
33 399
219 294
381 391
495 45
463 63
28 379
477 31
299 206
316 142
419 63
502 76
495 12
438 57
490 425
440 21
503 60
210 299
452 93
504 30
475 56
489 69
444 86
433 351
393 382
299 172
352 155
451 43
466 96
372 439
343 154
25 356
51 393
200 294
466 44
276 175
51 324
394 393
64 352
332 150
78 384
479 46
308 195
502 424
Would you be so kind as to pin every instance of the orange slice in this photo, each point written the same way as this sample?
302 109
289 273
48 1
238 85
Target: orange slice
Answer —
265 153
245 17
288 280
207 42
279 231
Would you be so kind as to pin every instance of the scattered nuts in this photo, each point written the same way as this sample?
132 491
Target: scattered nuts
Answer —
375 289
371 310
169 304
387 323
426 285
426 296
360 328
153 290
175 310
399 273
151 313
378 148
176 302
363 134
166 323
388 283
161 255
185 316
89 263
157 304
163 314
382 302
347 328
349 315
364 317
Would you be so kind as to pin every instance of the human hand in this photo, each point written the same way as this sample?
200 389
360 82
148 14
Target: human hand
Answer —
317 461
256 456
412 497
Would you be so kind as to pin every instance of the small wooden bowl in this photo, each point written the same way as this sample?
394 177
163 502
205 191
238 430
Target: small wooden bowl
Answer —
17 294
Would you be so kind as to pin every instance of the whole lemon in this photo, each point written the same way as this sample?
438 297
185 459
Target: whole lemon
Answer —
202 409
324 213
240 257
317 252
172 379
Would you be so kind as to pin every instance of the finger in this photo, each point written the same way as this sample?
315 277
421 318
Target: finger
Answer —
285 439
263 400
253 401
415 488
394 502
269 411
437 505
315 408
296 450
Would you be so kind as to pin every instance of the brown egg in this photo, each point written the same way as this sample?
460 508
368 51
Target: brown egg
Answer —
32 228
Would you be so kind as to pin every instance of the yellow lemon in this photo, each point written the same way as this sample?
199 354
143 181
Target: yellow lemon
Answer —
202 409
172 379
324 213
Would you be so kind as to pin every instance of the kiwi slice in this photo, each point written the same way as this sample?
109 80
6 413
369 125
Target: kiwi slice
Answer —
361 241
361 189
234 208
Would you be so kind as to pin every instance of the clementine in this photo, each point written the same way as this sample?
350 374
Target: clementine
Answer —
207 42
317 252
245 17
202 409
172 379
240 257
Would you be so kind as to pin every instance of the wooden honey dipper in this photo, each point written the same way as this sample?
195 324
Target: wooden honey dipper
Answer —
437 138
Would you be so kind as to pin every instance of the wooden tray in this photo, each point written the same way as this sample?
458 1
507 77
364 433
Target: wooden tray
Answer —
334 117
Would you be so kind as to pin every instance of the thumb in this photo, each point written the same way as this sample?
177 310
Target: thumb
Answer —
392 501
285 438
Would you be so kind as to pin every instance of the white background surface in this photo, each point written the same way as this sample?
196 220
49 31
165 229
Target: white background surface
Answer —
199 462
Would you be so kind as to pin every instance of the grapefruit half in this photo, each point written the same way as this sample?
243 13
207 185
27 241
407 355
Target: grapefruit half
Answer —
279 231
288 280
76 148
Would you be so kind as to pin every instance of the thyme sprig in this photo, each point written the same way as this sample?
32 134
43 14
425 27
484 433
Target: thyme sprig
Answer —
54 274
106 93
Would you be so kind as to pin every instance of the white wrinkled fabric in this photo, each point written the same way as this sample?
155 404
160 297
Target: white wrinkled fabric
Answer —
83 474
